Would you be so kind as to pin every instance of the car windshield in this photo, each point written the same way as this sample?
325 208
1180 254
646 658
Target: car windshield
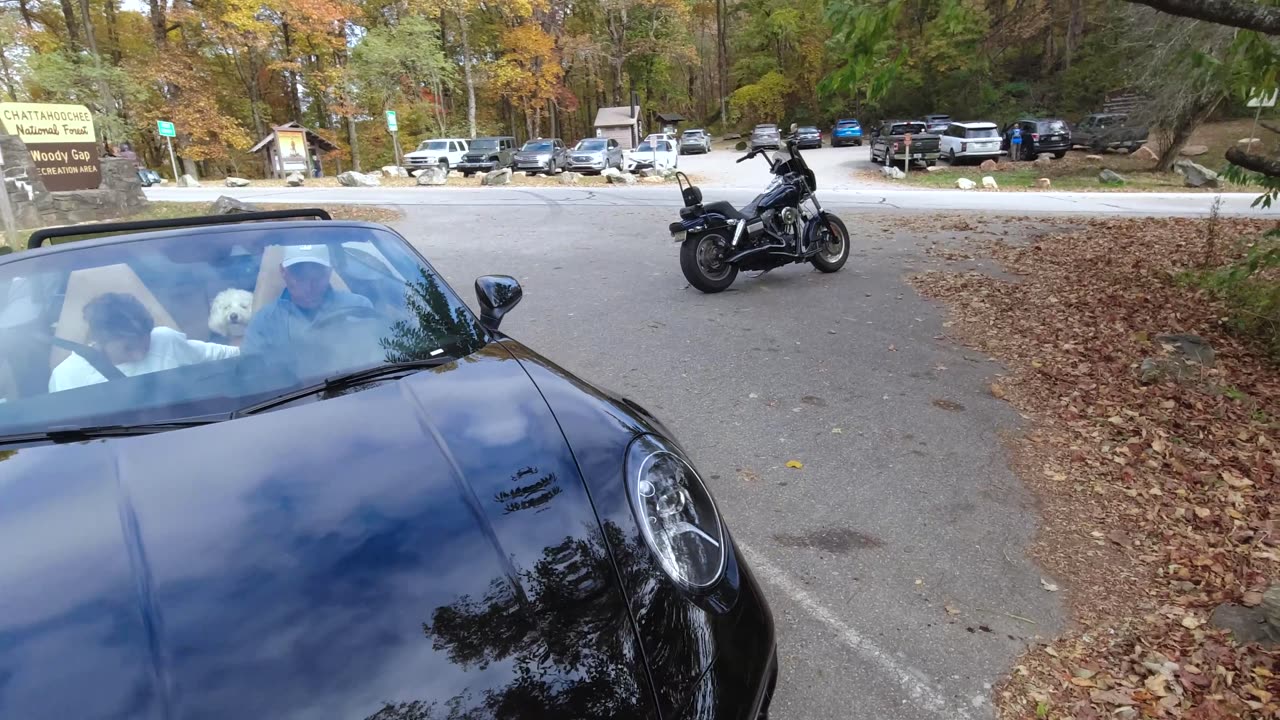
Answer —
904 128
1051 126
648 147
484 145
982 133
173 325
766 128
434 145
693 134
538 145
591 145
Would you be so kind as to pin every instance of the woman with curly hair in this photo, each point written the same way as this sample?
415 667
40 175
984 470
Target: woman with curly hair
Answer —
122 328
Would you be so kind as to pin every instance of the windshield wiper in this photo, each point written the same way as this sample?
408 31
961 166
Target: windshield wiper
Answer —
72 433
347 380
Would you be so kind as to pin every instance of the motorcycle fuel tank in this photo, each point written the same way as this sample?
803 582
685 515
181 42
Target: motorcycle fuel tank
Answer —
781 196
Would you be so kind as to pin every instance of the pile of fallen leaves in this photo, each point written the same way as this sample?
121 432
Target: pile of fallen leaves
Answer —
1159 500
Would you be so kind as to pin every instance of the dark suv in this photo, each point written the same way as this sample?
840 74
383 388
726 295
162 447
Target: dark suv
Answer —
1039 135
487 153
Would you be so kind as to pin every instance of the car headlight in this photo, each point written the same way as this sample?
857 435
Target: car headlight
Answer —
676 514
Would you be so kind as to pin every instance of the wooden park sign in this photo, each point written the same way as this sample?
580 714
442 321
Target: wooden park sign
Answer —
61 140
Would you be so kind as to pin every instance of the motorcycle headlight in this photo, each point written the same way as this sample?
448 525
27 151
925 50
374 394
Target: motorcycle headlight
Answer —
675 512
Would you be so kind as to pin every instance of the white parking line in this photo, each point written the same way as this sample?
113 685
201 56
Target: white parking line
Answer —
914 683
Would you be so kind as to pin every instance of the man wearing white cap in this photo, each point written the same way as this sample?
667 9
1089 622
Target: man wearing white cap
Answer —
308 298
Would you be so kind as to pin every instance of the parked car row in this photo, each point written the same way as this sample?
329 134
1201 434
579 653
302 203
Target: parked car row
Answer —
1024 139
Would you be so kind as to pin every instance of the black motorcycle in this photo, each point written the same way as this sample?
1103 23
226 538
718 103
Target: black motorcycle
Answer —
716 239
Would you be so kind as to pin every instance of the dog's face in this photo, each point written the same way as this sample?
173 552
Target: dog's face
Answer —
230 312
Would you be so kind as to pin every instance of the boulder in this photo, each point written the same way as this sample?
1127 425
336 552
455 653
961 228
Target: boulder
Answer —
1110 177
235 182
1193 150
1188 348
1043 183
1247 624
1195 175
571 178
351 178
966 184
893 172
1122 151
433 176
225 205
934 168
1044 161
989 183
650 172
731 136
616 177
188 181
1270 606
989 166
1249 142
502 176
294 179
1146 153
1183 357
652 180
668 173
1093 158
394 171
740 146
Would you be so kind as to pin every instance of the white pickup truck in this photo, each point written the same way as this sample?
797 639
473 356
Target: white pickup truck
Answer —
444 152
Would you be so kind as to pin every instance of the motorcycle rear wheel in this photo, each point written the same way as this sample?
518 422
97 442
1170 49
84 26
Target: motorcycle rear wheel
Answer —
834 249
703 265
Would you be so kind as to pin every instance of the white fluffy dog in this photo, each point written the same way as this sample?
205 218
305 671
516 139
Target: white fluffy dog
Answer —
229 315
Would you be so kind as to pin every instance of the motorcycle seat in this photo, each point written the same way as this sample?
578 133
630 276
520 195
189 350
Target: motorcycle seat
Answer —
719 206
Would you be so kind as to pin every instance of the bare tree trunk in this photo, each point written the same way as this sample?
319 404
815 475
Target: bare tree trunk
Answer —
1050 40
1075 31
354 142
466 74
722 57
69 16
113 30
159 25
26 13
1187 122
90 40
291 77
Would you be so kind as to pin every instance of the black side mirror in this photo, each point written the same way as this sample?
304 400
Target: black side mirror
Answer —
497 295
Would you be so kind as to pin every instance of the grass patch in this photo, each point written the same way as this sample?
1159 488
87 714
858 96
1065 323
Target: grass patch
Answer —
160 210
1250 286
1072 172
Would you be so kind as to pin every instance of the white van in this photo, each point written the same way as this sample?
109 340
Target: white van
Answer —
445 152
976 141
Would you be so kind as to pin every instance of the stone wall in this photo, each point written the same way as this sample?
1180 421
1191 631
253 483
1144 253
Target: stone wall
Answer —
119 194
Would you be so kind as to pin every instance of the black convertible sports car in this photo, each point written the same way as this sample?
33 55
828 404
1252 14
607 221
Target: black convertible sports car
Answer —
353 499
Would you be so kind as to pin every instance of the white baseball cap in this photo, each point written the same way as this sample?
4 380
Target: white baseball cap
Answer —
294 254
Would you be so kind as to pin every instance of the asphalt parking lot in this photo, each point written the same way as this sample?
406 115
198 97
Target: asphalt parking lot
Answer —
894 560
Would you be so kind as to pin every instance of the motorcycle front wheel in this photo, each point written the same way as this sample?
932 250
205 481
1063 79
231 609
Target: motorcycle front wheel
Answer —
833 247
702 259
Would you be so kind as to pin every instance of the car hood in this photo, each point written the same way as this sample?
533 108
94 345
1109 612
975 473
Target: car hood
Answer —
422 546
426 153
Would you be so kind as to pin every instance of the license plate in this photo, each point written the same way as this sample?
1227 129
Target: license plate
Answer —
918 156
679 235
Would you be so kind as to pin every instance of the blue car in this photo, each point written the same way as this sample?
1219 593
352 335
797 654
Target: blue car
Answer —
846 132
